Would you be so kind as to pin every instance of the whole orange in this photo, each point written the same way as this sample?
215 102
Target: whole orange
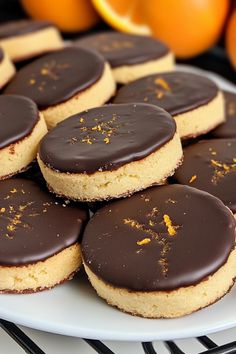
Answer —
68 15
231 38
189 27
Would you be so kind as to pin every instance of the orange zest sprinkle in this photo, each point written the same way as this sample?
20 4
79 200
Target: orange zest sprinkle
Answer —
162 83
171 230
193 178
144 241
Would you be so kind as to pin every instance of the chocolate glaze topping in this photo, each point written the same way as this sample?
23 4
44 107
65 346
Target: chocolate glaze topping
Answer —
160 239
210 165
227 129
106 138
176 92
58 76
18 28
124 49
18 117
33 224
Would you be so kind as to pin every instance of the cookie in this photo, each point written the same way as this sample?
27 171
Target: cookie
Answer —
130 56
22 127
7 69
65 82
26 39
228 128
110 151
210 165
194 101
40 237
165 252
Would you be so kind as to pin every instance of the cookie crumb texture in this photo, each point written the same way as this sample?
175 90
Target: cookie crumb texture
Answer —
110 152
165 252
40 236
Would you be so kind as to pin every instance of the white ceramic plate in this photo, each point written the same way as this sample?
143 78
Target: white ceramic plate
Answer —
74 309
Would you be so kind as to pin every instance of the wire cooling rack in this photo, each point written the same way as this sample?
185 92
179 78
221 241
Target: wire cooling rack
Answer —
30 347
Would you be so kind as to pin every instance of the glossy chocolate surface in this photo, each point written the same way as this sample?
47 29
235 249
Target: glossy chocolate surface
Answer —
18 28
124 49
33 224
227 129
210 165
58 76
176 92
160 239
106 138
18 117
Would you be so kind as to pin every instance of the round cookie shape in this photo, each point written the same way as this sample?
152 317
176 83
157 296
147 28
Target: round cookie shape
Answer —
210 165
176 92
124 49
194 101
105 138
34 225
228 128
18 117
162 239
18 28
56 77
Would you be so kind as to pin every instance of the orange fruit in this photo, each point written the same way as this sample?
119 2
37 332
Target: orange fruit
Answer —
123 15
189 27
231 38
68 15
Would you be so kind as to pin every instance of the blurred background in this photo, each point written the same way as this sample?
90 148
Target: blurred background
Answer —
200 32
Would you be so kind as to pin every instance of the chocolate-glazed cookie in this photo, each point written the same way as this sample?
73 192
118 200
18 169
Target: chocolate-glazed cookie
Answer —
104 150
26 39
56 77
193 100
37 228
227 129
156 243
122 48
63 77
210 165
130 56
22 127
17 28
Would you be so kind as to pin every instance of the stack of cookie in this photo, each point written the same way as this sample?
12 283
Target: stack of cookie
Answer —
154 249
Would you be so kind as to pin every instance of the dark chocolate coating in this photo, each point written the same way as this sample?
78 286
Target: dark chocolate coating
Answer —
1 54
18 117
124 49
227 129
18 28
205 235
176 92
106 138
33 224
58 76
214 164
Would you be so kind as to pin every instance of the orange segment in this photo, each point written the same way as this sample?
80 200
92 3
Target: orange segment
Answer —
123 15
